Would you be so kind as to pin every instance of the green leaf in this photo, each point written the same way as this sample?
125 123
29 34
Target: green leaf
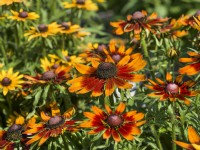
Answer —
37 96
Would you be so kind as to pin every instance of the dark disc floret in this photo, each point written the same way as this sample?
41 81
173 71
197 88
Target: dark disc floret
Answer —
106 70
65 25
116 58
14 132
114 120
80 2
42 28
55 66
48 75
6 81
23 14
55 122
172 88
137 15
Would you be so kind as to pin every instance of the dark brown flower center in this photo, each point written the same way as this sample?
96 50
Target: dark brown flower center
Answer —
48 75
65 25
106 70
55 66
43 28
137 15
81 2
23 14
114 120
197 13
116 58
172 88
67 58
6 81
55 122
14 132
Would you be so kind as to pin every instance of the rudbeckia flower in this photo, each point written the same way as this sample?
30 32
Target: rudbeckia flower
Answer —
194 66
138 21
114 123
9 2
43 30
47 64
51 126
56 76
107 76
9 80
194 139
81 4
10 138
23 15
172 90
68 28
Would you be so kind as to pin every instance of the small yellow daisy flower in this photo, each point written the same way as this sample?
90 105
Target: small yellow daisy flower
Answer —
81 4
42 30
68 28
23 15
9 2
9 80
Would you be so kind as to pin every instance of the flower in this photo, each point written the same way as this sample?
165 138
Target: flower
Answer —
81 4
57 76
194 66
68 28
23 15
9 80
138 21
194 139
114 123
9 2
13 135
66 59
172 90
47 64
51 126
115 53
43 30
107 75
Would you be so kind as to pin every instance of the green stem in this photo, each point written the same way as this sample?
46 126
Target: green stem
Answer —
173 119
63 42
43 47
17 35
4 53
64 141
146 53
153 130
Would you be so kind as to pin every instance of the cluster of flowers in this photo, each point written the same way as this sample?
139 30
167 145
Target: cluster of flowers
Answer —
98 70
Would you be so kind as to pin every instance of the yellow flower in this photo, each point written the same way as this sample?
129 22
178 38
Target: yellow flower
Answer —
68 28
43 30
23 15
9 80
81 4
9 2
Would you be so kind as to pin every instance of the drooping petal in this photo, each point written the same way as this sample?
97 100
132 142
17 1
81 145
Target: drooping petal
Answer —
168 77
109 89
116 136
184 145
107 133
193 136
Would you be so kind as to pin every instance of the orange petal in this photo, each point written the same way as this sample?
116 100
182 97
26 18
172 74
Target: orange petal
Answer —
44 116
120 108
89 115
108 109
44 138
36 137
98 111
184 145
107 134
123 61
168 77
193 135
109 87
85 69
116 136
125 134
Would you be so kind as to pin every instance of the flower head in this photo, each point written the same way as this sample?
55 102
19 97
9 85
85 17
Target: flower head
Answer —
137 21
13 135
194 64
194 139
57 75
106 76
115 123
9 80
52 125
9 2
172 90
81 4
68 28
23 15
43 30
